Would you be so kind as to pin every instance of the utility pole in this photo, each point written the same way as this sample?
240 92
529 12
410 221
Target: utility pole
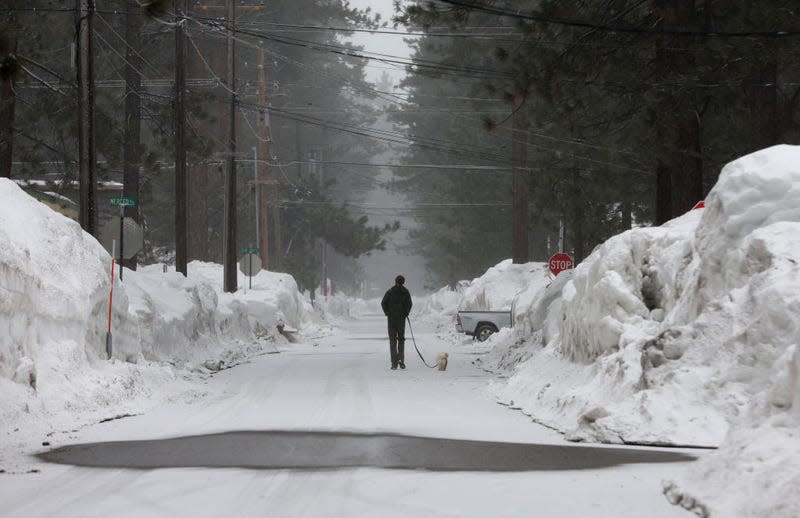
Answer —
133 111
263 183
277 263
86 136
519 187
229 218
324 242
257 191
197 178
180 137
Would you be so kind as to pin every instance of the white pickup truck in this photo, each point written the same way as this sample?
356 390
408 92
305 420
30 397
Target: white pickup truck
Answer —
481 324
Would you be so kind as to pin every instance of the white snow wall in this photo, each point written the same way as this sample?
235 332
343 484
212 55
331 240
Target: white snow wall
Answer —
668 334
54 286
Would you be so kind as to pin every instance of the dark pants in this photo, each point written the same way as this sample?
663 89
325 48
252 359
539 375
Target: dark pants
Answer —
397 339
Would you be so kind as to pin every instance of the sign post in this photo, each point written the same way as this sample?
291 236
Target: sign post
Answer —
560 262
122 203
250 262
110 301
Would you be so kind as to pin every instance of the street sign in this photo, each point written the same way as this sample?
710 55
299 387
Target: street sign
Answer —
250 264
560 262
123 202
132 235
251 250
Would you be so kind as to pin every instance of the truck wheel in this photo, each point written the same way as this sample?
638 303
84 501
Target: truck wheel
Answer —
483 332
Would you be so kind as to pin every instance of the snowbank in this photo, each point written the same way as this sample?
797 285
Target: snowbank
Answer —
498 289
54 290
54 287
186 319
743 298
503 287
685 334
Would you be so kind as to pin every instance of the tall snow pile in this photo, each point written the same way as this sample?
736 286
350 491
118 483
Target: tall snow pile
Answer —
53 296
685 334
500 287
54 289
504 287
746 289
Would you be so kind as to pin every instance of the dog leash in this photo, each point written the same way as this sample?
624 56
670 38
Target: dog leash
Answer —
415 345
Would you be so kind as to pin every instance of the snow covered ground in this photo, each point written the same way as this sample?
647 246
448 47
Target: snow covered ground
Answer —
682 334
321 388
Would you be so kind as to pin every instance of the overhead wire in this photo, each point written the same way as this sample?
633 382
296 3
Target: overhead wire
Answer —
394 136
528 132
793 32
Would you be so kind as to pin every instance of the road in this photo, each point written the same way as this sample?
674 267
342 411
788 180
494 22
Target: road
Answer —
325 429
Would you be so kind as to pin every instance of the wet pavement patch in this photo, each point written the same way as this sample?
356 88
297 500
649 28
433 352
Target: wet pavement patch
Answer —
330 450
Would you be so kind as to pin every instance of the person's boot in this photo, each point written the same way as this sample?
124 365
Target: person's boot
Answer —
394 367
402 365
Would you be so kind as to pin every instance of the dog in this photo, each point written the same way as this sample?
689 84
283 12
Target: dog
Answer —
441 361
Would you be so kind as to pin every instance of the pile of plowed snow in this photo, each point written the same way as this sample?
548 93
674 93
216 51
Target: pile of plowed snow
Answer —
54 294
504 287
686 334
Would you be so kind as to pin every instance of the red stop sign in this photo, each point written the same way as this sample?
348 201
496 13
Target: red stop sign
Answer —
560 262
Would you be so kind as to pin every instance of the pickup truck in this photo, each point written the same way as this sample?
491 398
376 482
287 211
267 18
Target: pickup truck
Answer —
481 324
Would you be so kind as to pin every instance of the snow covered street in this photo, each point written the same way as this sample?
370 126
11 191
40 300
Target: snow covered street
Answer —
340 387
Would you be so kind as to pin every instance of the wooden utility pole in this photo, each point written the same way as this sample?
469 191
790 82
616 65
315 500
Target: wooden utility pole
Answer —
519 187
197 182
277 263
262 183
229 218
133 111
180 137
86 136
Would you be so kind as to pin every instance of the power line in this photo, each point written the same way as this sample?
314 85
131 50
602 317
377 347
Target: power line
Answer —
460 167
349 52
614 28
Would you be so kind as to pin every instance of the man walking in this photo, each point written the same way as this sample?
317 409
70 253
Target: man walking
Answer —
396 306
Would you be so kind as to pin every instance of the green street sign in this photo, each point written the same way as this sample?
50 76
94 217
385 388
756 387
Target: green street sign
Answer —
251 250
125 202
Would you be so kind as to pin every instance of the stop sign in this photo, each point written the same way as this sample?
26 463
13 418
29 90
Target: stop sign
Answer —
560 262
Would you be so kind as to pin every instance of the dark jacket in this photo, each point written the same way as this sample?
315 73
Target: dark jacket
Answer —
396 303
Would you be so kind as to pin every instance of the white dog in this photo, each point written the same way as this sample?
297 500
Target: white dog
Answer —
441 361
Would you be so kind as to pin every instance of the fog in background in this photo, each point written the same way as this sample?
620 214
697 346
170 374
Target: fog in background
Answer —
382 266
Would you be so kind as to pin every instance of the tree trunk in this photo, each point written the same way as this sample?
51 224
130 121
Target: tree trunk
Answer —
763 94
8 101
7 105
663 196
627 214
520 172
688 180
679 167
576 229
